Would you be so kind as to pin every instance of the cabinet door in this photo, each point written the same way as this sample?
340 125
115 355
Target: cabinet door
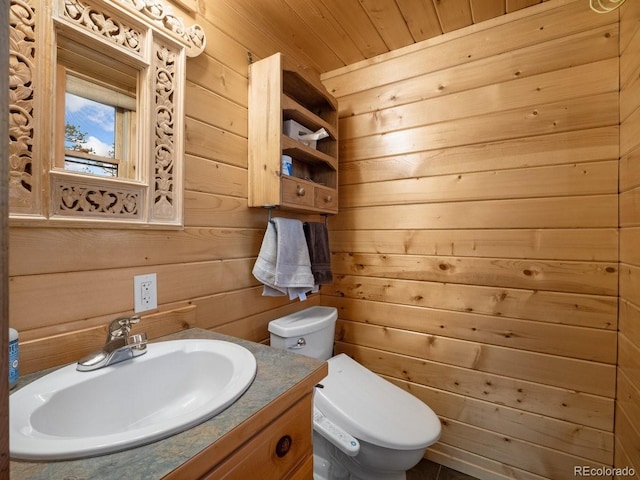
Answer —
275 452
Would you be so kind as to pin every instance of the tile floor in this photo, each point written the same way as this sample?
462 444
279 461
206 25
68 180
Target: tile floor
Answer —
427 470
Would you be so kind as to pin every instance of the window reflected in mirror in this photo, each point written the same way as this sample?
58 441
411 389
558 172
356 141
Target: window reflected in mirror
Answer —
98 135
98 100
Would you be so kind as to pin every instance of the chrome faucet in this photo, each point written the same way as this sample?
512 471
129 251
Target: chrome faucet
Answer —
119 346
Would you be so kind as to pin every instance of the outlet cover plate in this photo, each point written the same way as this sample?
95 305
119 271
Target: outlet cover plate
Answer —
145 292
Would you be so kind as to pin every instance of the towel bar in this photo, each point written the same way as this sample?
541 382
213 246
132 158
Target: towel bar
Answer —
270 215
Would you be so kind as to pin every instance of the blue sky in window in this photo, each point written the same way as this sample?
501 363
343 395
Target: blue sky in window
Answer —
95 119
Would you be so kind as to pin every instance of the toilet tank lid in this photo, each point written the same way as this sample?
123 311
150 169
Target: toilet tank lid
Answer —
303 322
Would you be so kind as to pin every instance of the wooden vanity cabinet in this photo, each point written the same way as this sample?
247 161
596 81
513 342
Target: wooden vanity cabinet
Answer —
276 453
273 444
281 91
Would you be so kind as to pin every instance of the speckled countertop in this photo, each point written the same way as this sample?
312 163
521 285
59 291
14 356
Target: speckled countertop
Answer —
277 372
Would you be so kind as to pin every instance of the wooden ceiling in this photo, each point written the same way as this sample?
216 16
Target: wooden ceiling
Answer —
334 33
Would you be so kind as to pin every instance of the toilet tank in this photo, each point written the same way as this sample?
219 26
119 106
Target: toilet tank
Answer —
307 332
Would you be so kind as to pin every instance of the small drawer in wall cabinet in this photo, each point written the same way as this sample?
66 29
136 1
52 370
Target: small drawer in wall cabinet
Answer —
325 199
276 452
297 192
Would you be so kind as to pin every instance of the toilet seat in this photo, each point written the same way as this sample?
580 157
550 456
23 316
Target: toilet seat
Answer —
373 409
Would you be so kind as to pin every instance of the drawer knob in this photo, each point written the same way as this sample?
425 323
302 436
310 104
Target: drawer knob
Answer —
328 198
283 446
301 191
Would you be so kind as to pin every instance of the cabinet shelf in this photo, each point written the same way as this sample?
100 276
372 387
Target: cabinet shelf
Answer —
301 152
304 85
292 110
281 91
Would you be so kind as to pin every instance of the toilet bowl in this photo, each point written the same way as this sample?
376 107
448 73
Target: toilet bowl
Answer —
365 428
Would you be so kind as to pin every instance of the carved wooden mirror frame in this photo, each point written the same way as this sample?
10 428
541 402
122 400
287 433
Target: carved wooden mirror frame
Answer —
139 32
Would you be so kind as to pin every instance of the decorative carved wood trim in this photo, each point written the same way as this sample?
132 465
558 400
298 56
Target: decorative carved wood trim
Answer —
97 20
126 25
165 124
193 36
99 23
74 197
22 86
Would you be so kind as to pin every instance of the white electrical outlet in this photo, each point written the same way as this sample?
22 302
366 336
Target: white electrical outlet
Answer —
145 292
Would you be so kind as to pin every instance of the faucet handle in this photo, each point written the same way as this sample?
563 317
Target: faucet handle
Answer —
120 327
138 341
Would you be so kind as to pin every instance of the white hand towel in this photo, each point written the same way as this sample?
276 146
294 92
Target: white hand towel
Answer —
283 264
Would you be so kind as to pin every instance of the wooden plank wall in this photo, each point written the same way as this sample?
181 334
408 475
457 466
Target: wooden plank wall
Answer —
476 249
4 243
627 451
67 284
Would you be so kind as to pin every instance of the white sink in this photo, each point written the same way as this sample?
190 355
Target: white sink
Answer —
176 385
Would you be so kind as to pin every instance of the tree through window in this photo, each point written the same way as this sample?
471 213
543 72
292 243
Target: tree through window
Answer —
99 128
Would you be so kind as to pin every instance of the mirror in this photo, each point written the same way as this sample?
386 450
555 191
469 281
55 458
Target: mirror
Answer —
96 114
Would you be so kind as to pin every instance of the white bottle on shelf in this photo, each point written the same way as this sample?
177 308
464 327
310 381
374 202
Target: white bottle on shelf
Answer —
13 357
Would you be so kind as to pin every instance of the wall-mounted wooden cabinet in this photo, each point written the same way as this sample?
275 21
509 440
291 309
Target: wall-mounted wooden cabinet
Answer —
280 91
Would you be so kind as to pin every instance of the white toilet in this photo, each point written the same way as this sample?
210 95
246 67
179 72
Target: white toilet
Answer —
364 427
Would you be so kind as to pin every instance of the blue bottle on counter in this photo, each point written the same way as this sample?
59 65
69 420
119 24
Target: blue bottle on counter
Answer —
13 357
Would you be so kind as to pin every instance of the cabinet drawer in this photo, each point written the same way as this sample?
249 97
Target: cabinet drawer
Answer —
325 198
305 471
275 452
297 192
